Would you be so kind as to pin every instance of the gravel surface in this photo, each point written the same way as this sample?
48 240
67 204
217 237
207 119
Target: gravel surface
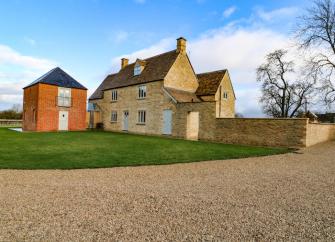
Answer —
282 197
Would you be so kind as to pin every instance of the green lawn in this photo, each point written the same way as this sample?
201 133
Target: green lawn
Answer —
92 149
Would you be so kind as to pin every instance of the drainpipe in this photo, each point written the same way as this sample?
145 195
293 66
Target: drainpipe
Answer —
220 92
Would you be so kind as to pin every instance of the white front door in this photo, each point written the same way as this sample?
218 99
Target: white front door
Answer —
63 123
192 131
125 120
167 122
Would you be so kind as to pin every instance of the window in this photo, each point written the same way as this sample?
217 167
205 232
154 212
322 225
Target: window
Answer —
114 95
64 97
114 116
141 117
137 70
142 92
225 95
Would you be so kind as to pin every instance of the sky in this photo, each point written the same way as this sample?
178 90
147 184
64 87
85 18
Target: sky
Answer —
87 38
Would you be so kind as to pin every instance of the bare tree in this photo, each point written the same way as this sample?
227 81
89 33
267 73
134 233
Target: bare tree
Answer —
283 97
17 108
316 33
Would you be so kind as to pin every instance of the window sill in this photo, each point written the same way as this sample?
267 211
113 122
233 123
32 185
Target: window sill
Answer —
140 124
113 121
114 101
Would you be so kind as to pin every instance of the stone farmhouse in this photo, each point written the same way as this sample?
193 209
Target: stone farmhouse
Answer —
162 95
54 102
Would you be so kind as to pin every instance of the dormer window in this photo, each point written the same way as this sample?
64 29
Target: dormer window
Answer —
137 70
139 66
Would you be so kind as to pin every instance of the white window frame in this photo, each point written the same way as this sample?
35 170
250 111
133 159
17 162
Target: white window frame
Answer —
114 116
64 97
142 92
114 95
141 117
137 70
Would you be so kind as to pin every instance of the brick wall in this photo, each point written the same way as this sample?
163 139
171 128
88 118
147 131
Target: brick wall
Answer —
47 113
30 105
77 112
42 98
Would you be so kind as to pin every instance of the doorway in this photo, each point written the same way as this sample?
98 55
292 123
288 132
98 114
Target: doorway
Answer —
63 123
167 122
192 130
125 120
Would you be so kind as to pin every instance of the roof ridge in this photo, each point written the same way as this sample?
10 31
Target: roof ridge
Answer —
45 75
152 57
210 72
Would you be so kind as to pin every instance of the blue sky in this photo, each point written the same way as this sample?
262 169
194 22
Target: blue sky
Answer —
87 38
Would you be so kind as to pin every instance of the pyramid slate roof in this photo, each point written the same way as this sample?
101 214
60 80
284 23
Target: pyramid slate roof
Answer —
58 77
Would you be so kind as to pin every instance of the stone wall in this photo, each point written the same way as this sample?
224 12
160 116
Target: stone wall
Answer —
246 131
261 131
181 75
154 104
225 107
318 133
206 119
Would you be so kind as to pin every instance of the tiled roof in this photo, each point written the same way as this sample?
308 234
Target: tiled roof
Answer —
156 68
209 82
99 92
58 77
182 96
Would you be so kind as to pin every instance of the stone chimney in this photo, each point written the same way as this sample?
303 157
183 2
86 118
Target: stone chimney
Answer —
181 45
124 62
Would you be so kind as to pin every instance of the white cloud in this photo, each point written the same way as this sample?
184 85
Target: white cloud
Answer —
16 71
228 12
10 56
276 14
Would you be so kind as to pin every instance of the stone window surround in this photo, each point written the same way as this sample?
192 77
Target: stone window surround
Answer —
114 95
113 116
141 117
142 92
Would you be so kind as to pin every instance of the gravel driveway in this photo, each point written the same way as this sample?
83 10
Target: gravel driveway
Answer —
283 197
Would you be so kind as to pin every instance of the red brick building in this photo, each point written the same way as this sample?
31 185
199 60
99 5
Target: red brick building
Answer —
54 102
